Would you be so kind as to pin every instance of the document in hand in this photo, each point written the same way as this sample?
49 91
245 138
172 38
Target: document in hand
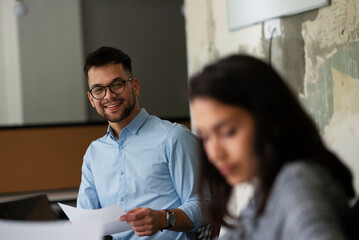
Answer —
107 218
36 230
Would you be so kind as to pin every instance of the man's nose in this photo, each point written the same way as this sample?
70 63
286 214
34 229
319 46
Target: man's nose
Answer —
109 94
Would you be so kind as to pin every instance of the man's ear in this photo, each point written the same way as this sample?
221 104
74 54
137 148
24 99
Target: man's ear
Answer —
136 86
91 99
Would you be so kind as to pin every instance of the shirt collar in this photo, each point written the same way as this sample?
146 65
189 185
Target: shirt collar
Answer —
134 125
110 131
137 122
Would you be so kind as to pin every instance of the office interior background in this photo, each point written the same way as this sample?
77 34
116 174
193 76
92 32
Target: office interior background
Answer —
44 89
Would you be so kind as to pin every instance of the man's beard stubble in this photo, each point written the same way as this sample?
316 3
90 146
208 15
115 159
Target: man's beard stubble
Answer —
126 111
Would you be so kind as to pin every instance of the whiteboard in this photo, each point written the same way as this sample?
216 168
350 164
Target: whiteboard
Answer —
242 13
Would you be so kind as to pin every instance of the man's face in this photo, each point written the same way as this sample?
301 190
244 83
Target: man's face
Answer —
113 107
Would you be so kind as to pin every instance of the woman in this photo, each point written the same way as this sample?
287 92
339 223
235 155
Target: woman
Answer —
253 129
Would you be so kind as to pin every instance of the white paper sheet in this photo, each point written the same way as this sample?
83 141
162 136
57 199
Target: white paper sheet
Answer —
108 218
15 230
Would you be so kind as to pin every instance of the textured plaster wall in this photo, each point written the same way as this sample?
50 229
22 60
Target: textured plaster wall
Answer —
317 54
208 37
331 81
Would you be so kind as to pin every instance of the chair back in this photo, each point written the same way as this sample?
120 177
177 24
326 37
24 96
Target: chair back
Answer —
36 208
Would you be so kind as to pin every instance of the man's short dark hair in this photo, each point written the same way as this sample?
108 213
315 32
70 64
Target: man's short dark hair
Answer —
106 55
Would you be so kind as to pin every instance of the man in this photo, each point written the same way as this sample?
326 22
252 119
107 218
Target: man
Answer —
144 164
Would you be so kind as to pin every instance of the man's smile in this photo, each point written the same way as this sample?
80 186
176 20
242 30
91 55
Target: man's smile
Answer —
113 105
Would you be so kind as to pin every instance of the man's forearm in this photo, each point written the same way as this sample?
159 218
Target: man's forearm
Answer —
182 223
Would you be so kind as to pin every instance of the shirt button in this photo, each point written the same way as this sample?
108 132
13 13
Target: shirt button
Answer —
122 198
121 147
122 172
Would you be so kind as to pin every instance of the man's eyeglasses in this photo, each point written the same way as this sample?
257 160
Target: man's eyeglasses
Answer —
116 87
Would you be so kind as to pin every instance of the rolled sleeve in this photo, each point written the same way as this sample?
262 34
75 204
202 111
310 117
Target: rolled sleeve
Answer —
183 166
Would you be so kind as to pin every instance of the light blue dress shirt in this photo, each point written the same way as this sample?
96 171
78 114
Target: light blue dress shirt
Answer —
153 164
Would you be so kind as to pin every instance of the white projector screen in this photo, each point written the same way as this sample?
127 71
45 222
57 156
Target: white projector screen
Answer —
242 13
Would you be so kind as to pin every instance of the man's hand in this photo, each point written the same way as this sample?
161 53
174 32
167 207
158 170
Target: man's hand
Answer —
145 221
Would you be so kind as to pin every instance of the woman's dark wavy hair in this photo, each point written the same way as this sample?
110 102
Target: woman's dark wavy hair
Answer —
284 132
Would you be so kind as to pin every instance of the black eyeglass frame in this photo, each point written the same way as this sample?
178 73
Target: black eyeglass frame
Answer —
110 87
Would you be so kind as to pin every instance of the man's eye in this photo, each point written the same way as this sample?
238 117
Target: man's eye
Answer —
98 90
117 85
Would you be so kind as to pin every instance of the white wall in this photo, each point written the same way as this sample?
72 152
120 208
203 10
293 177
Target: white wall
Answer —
11 107
42 63
51 62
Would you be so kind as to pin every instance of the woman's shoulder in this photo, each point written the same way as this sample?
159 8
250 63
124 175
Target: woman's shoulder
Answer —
303 180
303 171
307 201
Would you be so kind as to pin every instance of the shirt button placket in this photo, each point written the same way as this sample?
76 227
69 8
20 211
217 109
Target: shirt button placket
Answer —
122 175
